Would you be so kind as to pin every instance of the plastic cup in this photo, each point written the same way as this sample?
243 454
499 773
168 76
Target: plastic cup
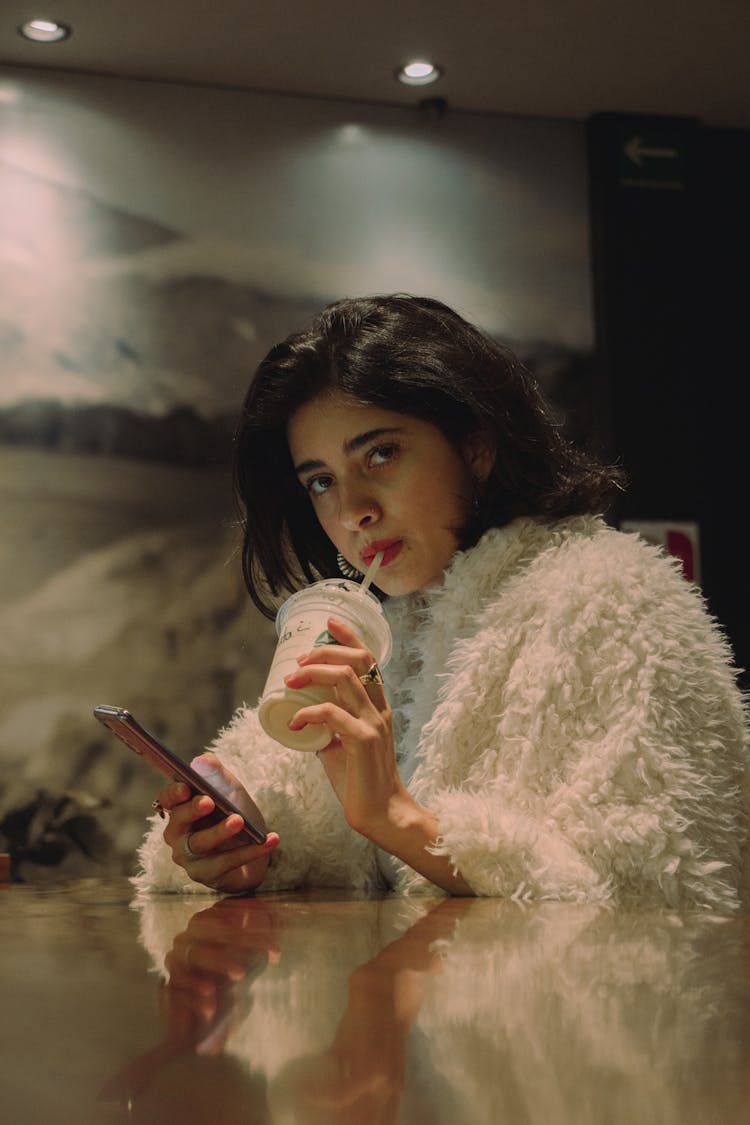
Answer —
302 624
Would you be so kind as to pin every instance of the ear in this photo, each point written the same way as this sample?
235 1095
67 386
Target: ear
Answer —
479 454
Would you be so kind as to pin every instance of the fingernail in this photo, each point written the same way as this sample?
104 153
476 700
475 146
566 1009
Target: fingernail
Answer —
296 680
271 841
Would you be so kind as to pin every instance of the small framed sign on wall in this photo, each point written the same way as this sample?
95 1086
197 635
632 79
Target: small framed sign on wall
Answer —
677 537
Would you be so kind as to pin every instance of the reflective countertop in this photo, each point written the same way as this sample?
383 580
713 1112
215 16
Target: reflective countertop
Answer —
321 1008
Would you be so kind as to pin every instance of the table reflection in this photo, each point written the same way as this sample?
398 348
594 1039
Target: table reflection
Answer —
287 1009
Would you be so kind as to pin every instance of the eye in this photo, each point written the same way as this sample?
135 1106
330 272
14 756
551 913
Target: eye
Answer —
317 486
381 454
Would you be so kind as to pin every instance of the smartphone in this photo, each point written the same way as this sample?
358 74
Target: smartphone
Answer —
148 746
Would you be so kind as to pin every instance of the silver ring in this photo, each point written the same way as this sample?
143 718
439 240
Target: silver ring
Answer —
188 850
158 807
373 675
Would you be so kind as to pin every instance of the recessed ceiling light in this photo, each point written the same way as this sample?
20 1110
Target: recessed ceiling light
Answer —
44 31
418 73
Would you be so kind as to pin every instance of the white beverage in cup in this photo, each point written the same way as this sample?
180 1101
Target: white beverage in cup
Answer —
302 624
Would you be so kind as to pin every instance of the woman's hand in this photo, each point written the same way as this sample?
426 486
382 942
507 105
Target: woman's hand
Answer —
211 967
222 949
360 760
350 1082
218 860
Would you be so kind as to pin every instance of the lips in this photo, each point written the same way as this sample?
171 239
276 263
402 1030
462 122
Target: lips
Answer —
391 547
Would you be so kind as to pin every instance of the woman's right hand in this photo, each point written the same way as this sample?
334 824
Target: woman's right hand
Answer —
218 860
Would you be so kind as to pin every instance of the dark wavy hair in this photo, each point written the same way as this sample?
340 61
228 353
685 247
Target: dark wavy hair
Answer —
416 356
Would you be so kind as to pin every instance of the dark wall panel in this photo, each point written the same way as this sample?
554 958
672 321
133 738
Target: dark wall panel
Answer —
670 247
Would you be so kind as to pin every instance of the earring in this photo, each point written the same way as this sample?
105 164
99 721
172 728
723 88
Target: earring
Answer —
476 501
347 569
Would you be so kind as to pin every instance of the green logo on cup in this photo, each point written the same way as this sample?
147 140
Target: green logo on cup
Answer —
325 638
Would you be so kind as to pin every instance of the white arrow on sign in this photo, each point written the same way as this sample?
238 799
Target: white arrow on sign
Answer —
636 151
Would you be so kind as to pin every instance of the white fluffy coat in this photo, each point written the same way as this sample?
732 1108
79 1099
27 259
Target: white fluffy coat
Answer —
565 705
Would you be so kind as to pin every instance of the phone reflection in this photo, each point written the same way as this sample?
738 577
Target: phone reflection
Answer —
206 991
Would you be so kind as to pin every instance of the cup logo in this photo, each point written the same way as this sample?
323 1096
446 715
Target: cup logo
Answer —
324 638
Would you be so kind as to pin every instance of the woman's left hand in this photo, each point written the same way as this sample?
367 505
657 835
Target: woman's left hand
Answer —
360 760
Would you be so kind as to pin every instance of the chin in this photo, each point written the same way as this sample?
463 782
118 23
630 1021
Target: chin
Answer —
399 587
395 588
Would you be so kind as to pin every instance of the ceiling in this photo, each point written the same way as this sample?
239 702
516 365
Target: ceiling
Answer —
542 58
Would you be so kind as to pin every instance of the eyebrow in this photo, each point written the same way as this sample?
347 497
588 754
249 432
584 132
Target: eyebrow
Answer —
350 446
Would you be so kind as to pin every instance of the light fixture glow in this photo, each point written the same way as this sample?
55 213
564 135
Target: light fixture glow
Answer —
44 31
418 73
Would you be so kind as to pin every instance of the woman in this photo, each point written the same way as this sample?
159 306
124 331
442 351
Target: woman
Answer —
560 718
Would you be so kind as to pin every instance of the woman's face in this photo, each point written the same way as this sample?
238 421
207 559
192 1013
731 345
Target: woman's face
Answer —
379 480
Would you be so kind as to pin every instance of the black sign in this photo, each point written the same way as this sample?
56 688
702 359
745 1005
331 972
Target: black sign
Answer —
652 158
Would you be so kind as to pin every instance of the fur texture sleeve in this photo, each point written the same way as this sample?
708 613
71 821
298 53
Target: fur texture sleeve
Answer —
502 853
589 741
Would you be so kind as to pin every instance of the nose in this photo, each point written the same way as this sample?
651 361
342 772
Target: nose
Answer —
358 508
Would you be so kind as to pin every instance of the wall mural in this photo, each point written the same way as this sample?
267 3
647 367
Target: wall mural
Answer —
155 241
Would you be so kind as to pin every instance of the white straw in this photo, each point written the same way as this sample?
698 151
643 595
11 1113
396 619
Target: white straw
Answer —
371 570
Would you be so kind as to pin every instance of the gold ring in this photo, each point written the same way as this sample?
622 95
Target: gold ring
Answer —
373 675
157 807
